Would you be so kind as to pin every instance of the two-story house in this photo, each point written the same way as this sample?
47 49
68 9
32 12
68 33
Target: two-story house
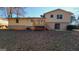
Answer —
54 20
58 19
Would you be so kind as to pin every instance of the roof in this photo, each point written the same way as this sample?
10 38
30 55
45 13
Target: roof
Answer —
57 10
28 18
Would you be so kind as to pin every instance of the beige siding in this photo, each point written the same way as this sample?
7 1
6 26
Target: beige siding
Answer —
63 22
66 16
63 26
26 22
23 23
50 22
51 25
39 22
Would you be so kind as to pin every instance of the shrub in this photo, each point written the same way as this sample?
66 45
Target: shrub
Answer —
71 27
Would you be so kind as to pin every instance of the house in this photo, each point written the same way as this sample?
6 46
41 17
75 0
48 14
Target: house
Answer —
54 20
3 23
58 19
24 23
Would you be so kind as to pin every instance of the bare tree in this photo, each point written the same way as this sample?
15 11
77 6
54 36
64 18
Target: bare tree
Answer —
10 11
19 11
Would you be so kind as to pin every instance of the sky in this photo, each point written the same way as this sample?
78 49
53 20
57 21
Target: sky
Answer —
37 11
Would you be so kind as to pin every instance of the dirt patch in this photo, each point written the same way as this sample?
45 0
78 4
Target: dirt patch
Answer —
39 40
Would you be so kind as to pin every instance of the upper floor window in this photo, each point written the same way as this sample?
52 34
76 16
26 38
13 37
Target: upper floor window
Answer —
51 16
59 16
17 21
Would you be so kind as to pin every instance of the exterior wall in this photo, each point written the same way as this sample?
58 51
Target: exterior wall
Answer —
63 22
66 16
51 25
39 22
17 27
50 22
64 26
25 22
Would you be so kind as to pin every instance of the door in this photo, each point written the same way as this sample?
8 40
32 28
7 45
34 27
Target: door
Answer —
57 26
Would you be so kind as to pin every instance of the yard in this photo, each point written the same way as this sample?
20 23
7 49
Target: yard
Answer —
39 40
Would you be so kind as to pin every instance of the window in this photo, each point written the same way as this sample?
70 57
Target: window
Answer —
60 16
51 16
57 26
17 21
31 20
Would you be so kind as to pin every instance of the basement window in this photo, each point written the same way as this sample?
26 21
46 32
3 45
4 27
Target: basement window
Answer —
17 21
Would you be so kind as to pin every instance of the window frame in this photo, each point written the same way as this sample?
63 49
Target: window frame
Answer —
59 16
17 20
57 26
